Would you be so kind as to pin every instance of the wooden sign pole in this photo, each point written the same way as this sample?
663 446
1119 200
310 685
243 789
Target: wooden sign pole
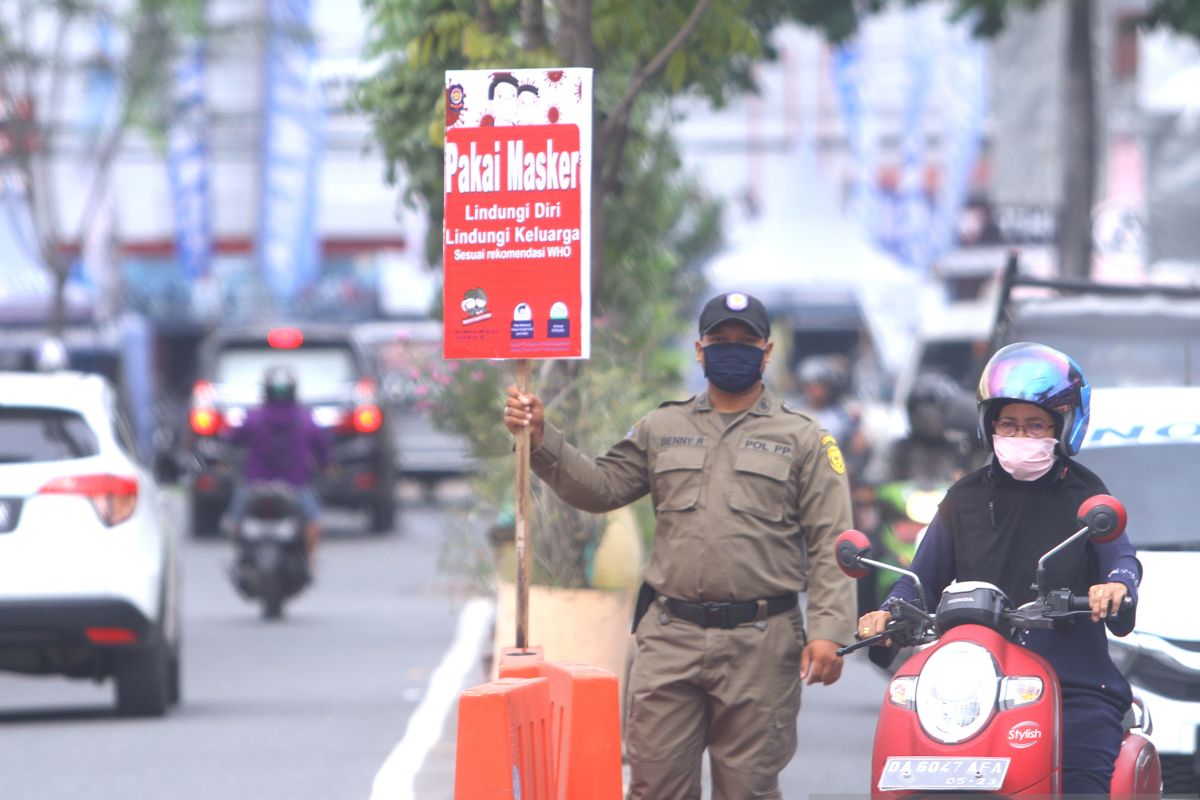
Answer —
524 548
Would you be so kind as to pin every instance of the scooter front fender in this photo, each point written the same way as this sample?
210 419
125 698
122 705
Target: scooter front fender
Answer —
1027 735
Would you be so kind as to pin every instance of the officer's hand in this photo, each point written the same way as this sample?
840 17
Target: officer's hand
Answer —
820 663
1105 599
871 623
525 412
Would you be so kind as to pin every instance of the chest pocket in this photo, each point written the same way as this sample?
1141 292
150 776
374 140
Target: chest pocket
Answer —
678 473
761 486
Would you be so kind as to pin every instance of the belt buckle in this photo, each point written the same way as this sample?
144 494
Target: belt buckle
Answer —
716 615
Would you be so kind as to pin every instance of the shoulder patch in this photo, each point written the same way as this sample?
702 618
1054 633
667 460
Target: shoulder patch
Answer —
834 454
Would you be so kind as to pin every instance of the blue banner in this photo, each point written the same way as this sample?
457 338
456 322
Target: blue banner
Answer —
965 90
848 74
188 165
911 242
292 128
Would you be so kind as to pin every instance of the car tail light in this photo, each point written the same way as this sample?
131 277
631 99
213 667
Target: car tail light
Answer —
110 636
367 416
205 421
114 497
204 417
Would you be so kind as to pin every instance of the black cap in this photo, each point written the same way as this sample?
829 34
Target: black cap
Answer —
738 306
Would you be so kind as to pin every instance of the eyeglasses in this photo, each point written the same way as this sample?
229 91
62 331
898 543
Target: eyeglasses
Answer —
1034 428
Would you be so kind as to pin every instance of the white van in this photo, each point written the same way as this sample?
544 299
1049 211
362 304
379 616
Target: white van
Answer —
1144 443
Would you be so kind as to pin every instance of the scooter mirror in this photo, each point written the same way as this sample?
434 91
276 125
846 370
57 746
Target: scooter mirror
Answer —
1105 517
851 546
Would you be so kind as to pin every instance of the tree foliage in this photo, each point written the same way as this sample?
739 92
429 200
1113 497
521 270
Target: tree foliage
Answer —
651 223
41 61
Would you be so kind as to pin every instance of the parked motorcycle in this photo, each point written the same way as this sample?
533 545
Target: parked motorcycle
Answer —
270 565
976 711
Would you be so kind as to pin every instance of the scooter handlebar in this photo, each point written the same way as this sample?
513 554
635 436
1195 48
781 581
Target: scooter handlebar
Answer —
1081 603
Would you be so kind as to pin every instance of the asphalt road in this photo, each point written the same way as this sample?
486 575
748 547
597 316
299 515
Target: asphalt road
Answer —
319 704
309 707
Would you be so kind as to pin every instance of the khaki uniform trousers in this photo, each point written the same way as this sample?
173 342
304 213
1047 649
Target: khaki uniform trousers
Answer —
736 692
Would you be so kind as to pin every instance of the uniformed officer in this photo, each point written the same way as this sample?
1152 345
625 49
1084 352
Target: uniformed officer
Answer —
749 496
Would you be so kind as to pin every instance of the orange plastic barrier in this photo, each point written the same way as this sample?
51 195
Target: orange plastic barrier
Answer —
554 727
504 750
585 709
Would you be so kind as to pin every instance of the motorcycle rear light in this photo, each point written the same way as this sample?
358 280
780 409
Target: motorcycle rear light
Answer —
365 391
367 418
902 692
114 497
285 338
1016 691
204 395
205 421
110 636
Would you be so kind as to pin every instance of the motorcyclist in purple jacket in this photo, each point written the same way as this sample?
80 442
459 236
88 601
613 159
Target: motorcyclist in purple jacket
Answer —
283 443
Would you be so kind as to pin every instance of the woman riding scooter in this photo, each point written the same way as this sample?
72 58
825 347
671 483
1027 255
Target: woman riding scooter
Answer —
996 522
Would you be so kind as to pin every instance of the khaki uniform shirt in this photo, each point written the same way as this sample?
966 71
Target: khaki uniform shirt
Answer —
744 511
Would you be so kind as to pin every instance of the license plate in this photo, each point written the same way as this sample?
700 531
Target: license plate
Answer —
942 772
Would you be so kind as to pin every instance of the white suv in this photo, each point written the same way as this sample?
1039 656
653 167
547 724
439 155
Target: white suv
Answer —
1144 443
88 580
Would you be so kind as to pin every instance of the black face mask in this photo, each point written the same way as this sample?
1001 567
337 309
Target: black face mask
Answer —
732 366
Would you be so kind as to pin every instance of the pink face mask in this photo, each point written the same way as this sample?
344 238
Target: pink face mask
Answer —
1024 458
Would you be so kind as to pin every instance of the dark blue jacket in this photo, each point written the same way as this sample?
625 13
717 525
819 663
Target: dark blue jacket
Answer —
1014 516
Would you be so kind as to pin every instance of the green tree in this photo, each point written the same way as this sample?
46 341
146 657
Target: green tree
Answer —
651 224
43 74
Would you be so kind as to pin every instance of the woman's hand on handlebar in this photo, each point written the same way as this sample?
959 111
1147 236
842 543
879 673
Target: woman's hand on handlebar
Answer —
1105 599
871 623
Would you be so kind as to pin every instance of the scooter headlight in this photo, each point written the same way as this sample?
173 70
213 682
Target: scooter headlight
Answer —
956 692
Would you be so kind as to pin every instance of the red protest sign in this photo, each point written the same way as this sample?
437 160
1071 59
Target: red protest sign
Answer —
515 235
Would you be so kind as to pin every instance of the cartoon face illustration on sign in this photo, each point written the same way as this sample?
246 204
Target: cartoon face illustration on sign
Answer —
474 306
528 107
523 313
502 99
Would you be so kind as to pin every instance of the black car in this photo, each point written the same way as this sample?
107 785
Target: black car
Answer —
336 379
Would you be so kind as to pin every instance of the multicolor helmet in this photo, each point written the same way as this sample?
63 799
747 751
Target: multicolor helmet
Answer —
1026 372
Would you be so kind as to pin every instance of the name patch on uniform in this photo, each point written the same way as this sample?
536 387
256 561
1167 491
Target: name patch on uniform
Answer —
834 454
764 446
682 441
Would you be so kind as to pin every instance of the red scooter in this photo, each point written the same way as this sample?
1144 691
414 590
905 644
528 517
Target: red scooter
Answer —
976 712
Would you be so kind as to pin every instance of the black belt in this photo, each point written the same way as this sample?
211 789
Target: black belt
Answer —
728 615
